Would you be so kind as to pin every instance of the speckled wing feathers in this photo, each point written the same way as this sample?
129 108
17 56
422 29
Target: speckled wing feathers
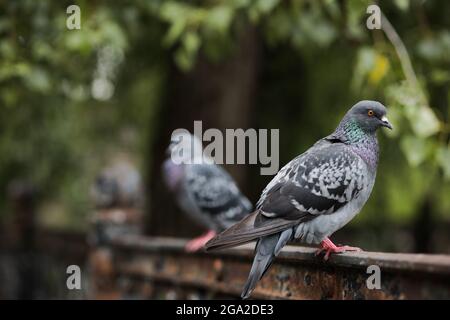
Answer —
318 182
216 194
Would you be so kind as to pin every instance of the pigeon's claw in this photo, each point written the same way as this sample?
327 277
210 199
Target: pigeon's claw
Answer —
199 242
329 247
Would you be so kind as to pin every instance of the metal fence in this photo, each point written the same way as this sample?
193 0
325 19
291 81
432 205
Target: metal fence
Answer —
117 262
159 268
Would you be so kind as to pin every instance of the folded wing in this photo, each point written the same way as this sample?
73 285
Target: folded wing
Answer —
320 181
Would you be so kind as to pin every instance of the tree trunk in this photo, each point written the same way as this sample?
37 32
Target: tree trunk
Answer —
221 95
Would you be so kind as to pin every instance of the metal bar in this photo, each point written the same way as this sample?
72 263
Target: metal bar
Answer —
295 274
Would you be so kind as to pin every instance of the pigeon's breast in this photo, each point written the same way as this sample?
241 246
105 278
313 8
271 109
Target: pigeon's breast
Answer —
324 225
172 174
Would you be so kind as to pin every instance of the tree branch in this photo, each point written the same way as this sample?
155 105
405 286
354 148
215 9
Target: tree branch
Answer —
402 54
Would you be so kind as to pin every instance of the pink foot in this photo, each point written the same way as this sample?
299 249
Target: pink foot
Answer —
198 243
329 247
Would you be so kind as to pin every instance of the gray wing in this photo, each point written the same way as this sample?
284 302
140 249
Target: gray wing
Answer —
286 172
216 194
320 181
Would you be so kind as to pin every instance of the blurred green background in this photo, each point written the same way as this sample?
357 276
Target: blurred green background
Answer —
72 100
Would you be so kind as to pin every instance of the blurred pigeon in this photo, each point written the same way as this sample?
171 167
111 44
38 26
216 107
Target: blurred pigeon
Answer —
315 194
117 194
204 190
118 185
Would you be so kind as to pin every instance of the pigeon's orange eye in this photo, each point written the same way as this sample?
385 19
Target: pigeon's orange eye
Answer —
370 113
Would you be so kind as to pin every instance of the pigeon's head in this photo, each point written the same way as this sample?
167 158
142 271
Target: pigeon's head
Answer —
184 147
368 115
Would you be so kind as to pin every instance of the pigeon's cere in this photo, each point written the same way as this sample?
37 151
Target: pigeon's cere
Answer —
205 191
315 194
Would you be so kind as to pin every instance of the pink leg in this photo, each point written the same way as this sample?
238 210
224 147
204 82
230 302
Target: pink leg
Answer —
329 247
198 243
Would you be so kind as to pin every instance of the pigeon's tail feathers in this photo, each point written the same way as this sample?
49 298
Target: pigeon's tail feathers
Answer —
264 254
252 227
266 250
285 237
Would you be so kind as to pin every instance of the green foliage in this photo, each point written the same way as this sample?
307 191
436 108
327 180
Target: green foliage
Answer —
71 99
54 131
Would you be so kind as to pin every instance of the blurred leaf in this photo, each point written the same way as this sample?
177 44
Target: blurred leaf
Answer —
260 8
422 118
77 41
112 35
415 149
219 18
20 69
435 48
402 4
38 80
424 122
172 11
6 50
191 42
379 69
175 32
365 62
396 118
184 59
440 77
266 6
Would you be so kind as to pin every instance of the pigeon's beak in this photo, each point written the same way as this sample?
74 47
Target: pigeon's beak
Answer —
385 122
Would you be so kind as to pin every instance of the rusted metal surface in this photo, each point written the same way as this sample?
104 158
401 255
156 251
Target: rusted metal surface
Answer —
159 268
64 245
108 224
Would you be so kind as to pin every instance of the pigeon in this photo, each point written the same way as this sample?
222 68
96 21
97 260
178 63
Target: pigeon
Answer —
117 194
315 194
203 190
117 185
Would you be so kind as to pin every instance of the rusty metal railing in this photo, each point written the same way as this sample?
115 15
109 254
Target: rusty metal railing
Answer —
146 267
